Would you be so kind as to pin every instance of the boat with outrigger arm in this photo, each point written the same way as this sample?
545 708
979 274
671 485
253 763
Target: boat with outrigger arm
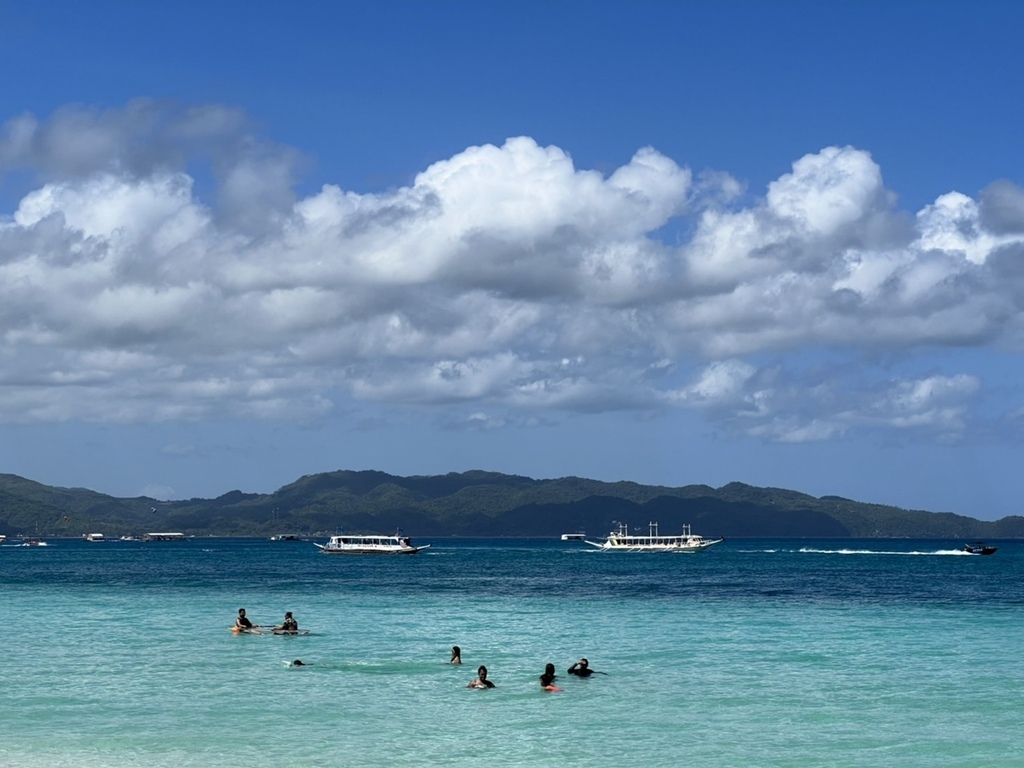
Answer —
349 544
624 541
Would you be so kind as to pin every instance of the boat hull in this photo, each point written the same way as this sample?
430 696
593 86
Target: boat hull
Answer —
370 551
676 549
978 548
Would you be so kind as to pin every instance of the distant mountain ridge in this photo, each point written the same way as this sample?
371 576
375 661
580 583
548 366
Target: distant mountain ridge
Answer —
477 503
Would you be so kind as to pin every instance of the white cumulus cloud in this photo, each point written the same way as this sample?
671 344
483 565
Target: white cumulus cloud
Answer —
502 279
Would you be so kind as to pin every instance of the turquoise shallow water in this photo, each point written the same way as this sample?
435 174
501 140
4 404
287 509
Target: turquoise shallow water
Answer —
766 653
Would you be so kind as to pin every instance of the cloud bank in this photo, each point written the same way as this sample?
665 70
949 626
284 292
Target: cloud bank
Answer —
163 267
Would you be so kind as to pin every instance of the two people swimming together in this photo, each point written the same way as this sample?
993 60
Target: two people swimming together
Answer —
580 669
244 624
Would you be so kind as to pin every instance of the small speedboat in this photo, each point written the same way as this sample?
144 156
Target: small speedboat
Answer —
978 548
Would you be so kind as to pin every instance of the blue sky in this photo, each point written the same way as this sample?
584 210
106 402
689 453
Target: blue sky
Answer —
777 243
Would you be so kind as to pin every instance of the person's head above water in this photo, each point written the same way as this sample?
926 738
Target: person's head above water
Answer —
298 663
547 680
481 680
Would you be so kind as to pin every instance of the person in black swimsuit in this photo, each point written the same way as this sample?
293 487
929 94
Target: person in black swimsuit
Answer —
547 680
242 622
581 669
288 625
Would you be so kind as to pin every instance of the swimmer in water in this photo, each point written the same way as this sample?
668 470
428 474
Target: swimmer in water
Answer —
456 655
288 625
242 623
547 680
581 669
298 663
481 679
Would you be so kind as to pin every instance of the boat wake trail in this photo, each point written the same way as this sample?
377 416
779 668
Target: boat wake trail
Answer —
913 553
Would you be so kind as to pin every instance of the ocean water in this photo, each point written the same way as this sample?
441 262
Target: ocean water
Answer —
755 653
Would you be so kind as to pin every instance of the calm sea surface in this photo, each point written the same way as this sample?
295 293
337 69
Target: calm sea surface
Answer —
755 653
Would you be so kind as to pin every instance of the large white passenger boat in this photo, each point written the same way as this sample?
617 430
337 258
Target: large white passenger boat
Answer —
370 545
623 541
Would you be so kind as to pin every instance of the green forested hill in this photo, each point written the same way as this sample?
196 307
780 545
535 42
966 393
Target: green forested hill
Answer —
477 504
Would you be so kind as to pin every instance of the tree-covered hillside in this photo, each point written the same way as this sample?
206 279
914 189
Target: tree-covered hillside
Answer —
477 504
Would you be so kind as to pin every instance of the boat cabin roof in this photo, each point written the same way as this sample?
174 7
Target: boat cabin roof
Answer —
373 538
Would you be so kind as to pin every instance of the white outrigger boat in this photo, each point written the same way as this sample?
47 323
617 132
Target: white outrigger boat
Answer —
623 541
370 545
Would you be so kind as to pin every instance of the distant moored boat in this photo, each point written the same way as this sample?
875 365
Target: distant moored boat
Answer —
164 536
